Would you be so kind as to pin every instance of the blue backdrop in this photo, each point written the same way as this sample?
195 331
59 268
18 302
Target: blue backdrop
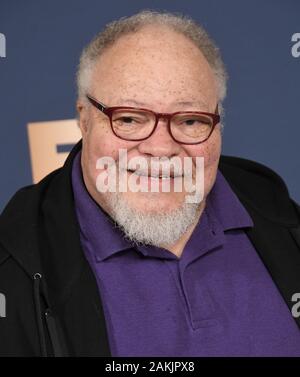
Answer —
44 40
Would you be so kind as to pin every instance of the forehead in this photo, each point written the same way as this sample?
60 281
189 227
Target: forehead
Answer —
155 62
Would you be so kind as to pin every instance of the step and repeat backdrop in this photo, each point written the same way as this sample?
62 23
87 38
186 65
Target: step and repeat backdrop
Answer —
40 44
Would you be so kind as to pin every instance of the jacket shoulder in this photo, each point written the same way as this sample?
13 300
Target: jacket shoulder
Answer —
253 171
25 200
20 216
260 187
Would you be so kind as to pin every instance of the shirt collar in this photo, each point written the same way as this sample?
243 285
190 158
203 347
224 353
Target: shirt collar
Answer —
224 205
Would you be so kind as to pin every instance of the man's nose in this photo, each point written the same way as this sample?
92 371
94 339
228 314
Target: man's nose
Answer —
160 143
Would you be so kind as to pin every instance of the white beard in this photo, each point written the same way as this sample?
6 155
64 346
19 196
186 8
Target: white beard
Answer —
155 229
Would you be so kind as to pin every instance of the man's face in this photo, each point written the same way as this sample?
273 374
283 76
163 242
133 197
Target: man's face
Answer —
157 69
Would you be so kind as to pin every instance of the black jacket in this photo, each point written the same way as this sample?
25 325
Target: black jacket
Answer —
52 302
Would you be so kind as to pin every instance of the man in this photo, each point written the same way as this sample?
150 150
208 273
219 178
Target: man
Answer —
147 273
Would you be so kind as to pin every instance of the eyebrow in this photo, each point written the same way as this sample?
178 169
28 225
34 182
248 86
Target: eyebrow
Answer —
192 103
134 102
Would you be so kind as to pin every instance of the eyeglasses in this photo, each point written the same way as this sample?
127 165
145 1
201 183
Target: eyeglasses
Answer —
136 124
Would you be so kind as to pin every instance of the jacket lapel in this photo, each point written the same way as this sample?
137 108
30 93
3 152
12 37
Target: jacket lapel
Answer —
72 288
280 254
276 231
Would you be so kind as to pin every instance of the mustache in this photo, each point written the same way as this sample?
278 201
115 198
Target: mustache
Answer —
156 167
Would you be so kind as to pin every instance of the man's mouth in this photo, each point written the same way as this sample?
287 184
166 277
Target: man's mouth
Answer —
156 175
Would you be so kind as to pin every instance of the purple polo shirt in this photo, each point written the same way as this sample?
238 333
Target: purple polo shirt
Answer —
217 299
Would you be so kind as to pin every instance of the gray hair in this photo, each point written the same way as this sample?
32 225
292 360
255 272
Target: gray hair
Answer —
127 25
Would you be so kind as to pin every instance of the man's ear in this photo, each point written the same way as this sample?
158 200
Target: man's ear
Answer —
83 116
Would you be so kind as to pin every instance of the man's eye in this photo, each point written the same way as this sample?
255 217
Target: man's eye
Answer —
190 122
125 120
195 122
129 120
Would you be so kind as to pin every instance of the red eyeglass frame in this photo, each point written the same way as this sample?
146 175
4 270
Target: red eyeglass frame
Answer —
108 111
